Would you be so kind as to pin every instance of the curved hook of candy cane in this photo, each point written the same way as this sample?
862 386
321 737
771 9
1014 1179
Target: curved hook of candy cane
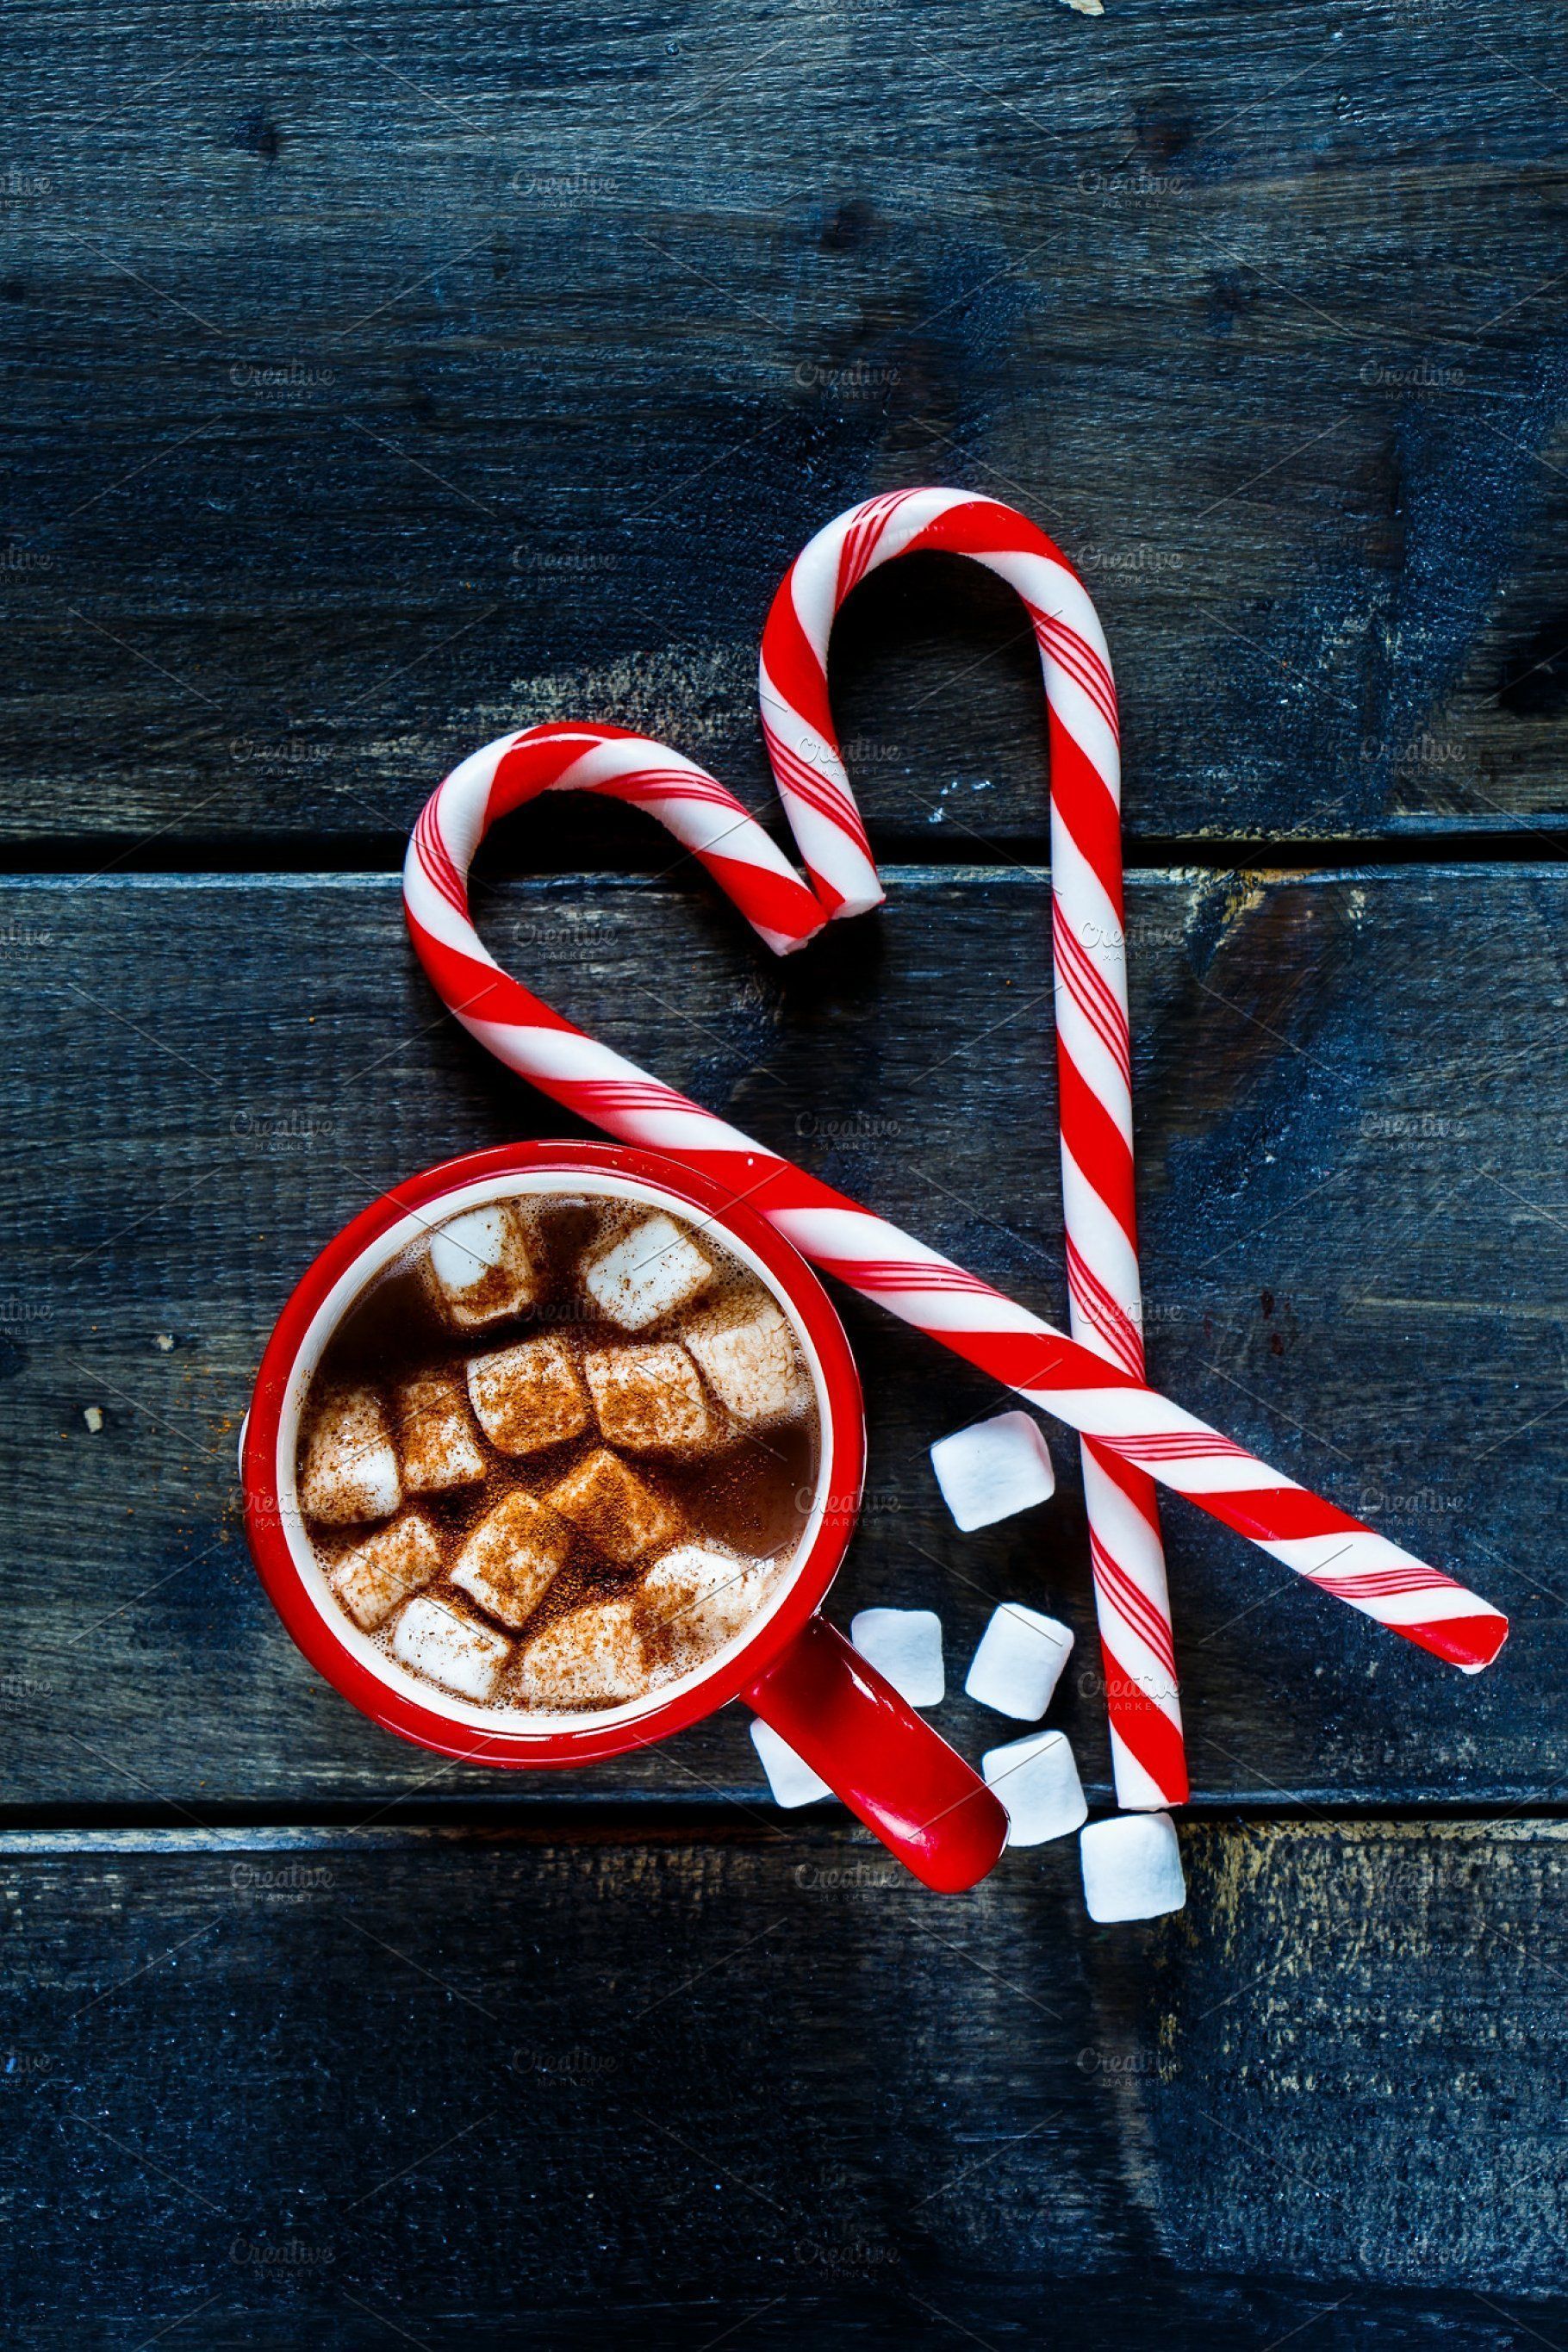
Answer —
797 723
704 817
1075 1383
1094 1035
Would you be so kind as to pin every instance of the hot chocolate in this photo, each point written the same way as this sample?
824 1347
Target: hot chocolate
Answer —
558 1453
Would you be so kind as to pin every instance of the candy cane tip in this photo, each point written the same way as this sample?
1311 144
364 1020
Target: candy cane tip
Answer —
1468 1642
788 943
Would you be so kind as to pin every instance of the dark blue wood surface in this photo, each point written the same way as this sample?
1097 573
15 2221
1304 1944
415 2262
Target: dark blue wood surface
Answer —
379 376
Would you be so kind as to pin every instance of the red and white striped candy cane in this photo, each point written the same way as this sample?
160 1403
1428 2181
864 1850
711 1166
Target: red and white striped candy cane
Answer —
1079 1386
1094 1045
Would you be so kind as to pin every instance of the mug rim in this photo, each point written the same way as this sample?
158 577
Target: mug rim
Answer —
428 1723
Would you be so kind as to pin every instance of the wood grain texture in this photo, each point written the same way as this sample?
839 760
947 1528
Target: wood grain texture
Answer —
1351 1118
377 380
445 2086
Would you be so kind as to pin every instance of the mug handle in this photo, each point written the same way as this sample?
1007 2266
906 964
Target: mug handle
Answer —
889 1768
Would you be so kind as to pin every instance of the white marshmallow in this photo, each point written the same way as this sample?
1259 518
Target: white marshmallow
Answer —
646 1274
482 1267
649 1400
351 1465
695 1599
591 1657
435 1435
375 1576
1036 1779
453 1650
905 1644
1020 1657
992 1469
530 1396
619 1514
509 1561
790 1777
1131 1867
751 1362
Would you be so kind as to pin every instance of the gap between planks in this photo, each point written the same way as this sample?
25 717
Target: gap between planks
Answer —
379 855
741 1821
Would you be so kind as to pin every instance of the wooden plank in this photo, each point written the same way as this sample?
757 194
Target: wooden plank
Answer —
1349 1127
359 413
456 2083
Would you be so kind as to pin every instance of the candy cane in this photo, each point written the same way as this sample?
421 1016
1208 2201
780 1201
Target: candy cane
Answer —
1085 1389
1094 1042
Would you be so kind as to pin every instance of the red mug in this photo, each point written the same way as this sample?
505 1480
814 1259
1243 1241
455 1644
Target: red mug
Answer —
790 1665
